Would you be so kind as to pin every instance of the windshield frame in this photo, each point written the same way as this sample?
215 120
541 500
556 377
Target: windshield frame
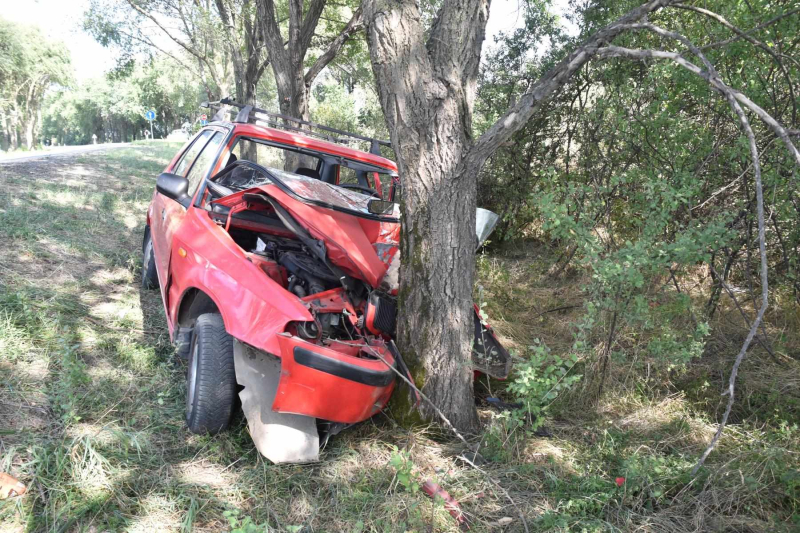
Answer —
275 180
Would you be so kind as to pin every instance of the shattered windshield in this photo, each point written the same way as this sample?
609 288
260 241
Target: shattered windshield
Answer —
246 175
314 189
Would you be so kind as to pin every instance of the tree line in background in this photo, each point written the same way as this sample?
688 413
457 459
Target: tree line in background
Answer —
174 54
29 65
41 103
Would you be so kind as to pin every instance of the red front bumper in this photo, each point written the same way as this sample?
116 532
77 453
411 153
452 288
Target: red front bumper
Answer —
347 384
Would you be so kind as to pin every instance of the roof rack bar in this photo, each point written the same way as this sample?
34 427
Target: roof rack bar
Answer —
326 128
245 112
322 136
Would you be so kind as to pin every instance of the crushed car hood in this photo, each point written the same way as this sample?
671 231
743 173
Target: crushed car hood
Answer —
361 247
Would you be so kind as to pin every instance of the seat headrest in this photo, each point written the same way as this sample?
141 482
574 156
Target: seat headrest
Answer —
310 172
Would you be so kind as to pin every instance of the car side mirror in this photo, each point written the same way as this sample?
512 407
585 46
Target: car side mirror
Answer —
380 207
174 187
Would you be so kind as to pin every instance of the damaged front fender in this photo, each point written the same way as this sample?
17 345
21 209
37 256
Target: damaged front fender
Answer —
280 437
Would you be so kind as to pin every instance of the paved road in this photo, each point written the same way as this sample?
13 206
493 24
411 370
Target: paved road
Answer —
59 151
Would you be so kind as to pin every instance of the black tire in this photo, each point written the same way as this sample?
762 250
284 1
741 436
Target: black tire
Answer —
149 274
211 377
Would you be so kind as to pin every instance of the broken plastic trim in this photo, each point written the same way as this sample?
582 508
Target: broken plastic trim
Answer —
342 369
280 437
485 222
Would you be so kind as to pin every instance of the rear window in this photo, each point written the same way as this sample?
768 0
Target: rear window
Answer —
276 157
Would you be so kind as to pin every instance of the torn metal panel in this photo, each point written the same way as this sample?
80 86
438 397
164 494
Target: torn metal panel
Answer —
488 355
280 437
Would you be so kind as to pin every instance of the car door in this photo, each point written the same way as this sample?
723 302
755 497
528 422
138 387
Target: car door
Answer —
161 205
168 214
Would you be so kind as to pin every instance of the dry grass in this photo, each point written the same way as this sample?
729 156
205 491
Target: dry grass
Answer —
656 417
91 403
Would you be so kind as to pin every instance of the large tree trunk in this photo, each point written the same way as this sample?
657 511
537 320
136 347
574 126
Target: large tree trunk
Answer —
426 94
13 133
248 66
4 132
292 80
29 125
293 100
288 62
293 97
426 81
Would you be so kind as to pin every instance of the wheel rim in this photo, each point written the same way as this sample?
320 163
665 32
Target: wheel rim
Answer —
191 379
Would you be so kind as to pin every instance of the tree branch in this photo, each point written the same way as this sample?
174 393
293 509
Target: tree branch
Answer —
355 25
763 25
516 117
155 21
295 23
755 42
149 42
459 28
777 128
309 25
270 32
711 76
742 34
393 29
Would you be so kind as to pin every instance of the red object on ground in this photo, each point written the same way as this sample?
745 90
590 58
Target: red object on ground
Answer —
453 507
10 486
620 481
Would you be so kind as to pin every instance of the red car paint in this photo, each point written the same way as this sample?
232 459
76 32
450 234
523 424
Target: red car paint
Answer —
193 252
341 379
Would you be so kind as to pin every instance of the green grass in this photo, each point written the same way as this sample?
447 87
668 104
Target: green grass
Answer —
92 399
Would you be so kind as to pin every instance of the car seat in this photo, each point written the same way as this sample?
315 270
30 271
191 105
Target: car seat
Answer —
310 172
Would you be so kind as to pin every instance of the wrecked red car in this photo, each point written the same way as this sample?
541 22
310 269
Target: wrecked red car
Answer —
275 247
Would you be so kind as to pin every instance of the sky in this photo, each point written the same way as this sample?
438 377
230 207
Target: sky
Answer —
504 16
61 20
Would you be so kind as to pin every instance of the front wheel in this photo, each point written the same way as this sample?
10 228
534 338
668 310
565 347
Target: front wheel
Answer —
149 274
211 377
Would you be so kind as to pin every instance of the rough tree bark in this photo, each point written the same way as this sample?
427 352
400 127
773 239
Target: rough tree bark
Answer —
426 92
427 88
426 84
287 58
